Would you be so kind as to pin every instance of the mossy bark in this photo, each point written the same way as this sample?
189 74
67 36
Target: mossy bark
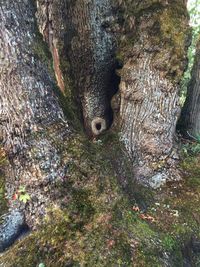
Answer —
63 170
83 54
189 123
33 128
153 47
151 39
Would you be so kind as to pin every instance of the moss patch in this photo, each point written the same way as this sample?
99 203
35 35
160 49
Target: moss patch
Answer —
157 28
69 99
99 225
90 228
42 53
3 203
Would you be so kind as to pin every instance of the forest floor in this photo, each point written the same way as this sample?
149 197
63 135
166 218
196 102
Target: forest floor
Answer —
100 224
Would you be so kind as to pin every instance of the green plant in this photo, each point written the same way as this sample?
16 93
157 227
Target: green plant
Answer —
169 243
23 195
192 148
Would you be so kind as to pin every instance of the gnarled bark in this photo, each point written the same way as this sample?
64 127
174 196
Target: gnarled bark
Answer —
190 116
153 49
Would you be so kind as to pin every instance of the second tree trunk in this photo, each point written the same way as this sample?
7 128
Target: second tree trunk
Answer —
190 117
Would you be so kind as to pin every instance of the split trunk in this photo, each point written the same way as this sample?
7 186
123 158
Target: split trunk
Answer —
88 40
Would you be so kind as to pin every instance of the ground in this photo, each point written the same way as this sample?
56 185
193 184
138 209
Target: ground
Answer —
100 223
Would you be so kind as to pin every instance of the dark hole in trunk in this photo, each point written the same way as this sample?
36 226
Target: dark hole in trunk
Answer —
98 126
114 87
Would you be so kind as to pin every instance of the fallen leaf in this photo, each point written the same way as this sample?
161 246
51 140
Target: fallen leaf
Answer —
135 208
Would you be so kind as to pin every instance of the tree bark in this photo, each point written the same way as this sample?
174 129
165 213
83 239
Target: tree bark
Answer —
152 42
83 36
78 36
153 47
32 124
190 116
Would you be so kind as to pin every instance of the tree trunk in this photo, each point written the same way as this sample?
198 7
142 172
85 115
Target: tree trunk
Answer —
83 37
190 116
32 123
77 34
152 42
153 47
33 128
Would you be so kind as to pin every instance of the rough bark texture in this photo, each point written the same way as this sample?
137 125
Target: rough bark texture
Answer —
78 31
91 221
151 39
153 48
190 117
31 121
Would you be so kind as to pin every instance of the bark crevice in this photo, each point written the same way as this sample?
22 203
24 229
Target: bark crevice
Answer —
83 35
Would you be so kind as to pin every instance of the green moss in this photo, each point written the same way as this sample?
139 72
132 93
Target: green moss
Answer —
69 99
174 34
160 29
90 227
42 53
96 224
169 243
3 202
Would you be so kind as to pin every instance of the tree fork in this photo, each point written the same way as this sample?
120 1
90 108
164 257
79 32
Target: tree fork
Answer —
152 39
